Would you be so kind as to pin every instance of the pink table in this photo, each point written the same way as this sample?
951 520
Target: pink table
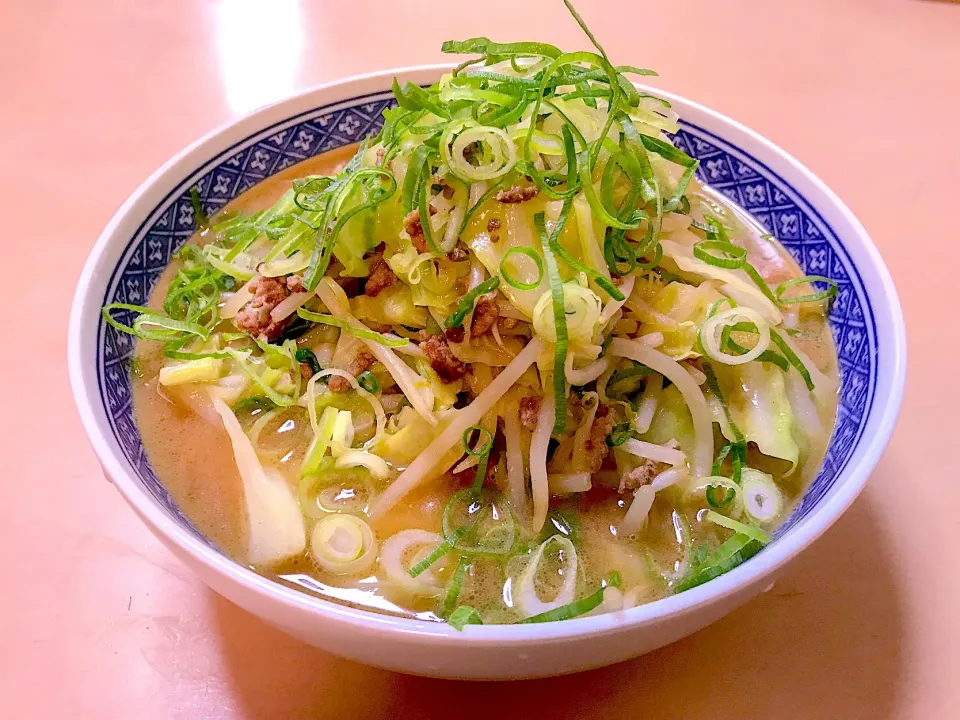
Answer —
98 621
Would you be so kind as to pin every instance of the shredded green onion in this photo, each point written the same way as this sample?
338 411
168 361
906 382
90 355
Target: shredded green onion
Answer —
368 381
308 357
199 216
456 585
560 322
818 296
456 318
792 358
602 282
728 256
442 549
350 329
513 282
739 446
750 531
483 452
151 325
759 282
577 607
620 434
462 616
243 362
731 553
711 495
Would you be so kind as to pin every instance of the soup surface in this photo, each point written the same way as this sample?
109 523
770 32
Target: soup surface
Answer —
587 383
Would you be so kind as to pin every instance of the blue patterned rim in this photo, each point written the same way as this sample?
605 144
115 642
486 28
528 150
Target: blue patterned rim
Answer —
738 175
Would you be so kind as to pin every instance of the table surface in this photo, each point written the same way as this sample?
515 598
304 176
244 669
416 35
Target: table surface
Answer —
97 620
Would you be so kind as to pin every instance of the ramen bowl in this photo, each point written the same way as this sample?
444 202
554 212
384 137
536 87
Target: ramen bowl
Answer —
796 207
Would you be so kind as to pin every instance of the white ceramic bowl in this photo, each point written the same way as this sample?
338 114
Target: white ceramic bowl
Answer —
797 207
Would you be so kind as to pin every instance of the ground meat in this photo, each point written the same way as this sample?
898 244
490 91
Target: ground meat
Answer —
485 314
529 412
442 359
381 152
360 362
638 477
306 372
596 446
493 225
459 253
495 238
455 334
381 277
411 223
295 284
518 194
254 317
508 323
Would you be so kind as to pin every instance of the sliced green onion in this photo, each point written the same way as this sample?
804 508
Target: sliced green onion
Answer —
559 319
438 552
409 194
110 320
337 193
577 607
637 371
491 191
411 96
819 296
751 531
759 282
256 402
243 362
711 495
199 216
368 381
762 499
455 319
620 434
308 357
483 46
483 453
738 447
727 255
602 282
513 282
350 329
455 586
462 616
151 325
767 356
718 463
792 358
465 523
484 447
731 553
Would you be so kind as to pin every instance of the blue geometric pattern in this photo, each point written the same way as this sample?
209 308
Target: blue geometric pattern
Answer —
736 174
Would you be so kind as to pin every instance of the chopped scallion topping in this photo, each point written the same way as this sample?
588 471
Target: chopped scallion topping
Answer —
368 381
462 616
577 607
456 318
350 329
505 268
819 296
560 322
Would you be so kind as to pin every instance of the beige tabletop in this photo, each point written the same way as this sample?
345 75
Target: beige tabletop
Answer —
98 621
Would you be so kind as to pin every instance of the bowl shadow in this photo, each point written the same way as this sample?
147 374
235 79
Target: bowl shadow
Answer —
825 641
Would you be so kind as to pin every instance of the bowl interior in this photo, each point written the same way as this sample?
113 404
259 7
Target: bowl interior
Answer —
747 181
